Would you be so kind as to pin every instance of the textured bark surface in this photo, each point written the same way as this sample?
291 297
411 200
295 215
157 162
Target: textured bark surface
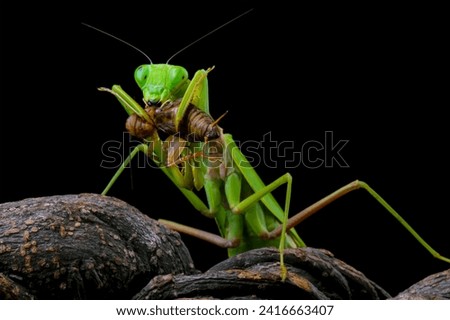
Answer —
89 246
83 246
433 287
312 274
10 290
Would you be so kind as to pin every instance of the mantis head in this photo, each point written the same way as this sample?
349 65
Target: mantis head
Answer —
161 82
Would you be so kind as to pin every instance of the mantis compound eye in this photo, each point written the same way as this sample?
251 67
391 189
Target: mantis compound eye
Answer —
177 75
141 74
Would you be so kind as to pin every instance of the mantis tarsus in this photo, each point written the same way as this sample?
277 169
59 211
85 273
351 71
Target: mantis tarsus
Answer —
247 214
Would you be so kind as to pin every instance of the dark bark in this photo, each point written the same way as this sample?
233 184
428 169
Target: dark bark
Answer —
84 246
10 290
433 287
312 274
89 246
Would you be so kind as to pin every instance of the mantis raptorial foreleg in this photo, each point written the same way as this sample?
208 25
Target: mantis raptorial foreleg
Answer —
196 93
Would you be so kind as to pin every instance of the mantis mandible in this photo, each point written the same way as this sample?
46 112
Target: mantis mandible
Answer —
247 214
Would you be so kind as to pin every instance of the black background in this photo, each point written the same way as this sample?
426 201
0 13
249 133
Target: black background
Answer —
371 75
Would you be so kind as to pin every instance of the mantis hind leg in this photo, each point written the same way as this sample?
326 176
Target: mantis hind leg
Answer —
309 211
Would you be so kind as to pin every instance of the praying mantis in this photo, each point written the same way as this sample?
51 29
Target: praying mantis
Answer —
247 214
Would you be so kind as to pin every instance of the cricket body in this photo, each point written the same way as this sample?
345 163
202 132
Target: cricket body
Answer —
196 125
247 214
140 128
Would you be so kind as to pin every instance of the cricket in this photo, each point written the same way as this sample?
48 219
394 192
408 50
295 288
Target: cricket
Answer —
198 156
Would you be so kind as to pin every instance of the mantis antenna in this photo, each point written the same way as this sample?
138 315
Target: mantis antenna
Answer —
212 31
121 40
176 53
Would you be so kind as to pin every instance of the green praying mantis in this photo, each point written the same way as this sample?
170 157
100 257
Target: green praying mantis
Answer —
247 214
